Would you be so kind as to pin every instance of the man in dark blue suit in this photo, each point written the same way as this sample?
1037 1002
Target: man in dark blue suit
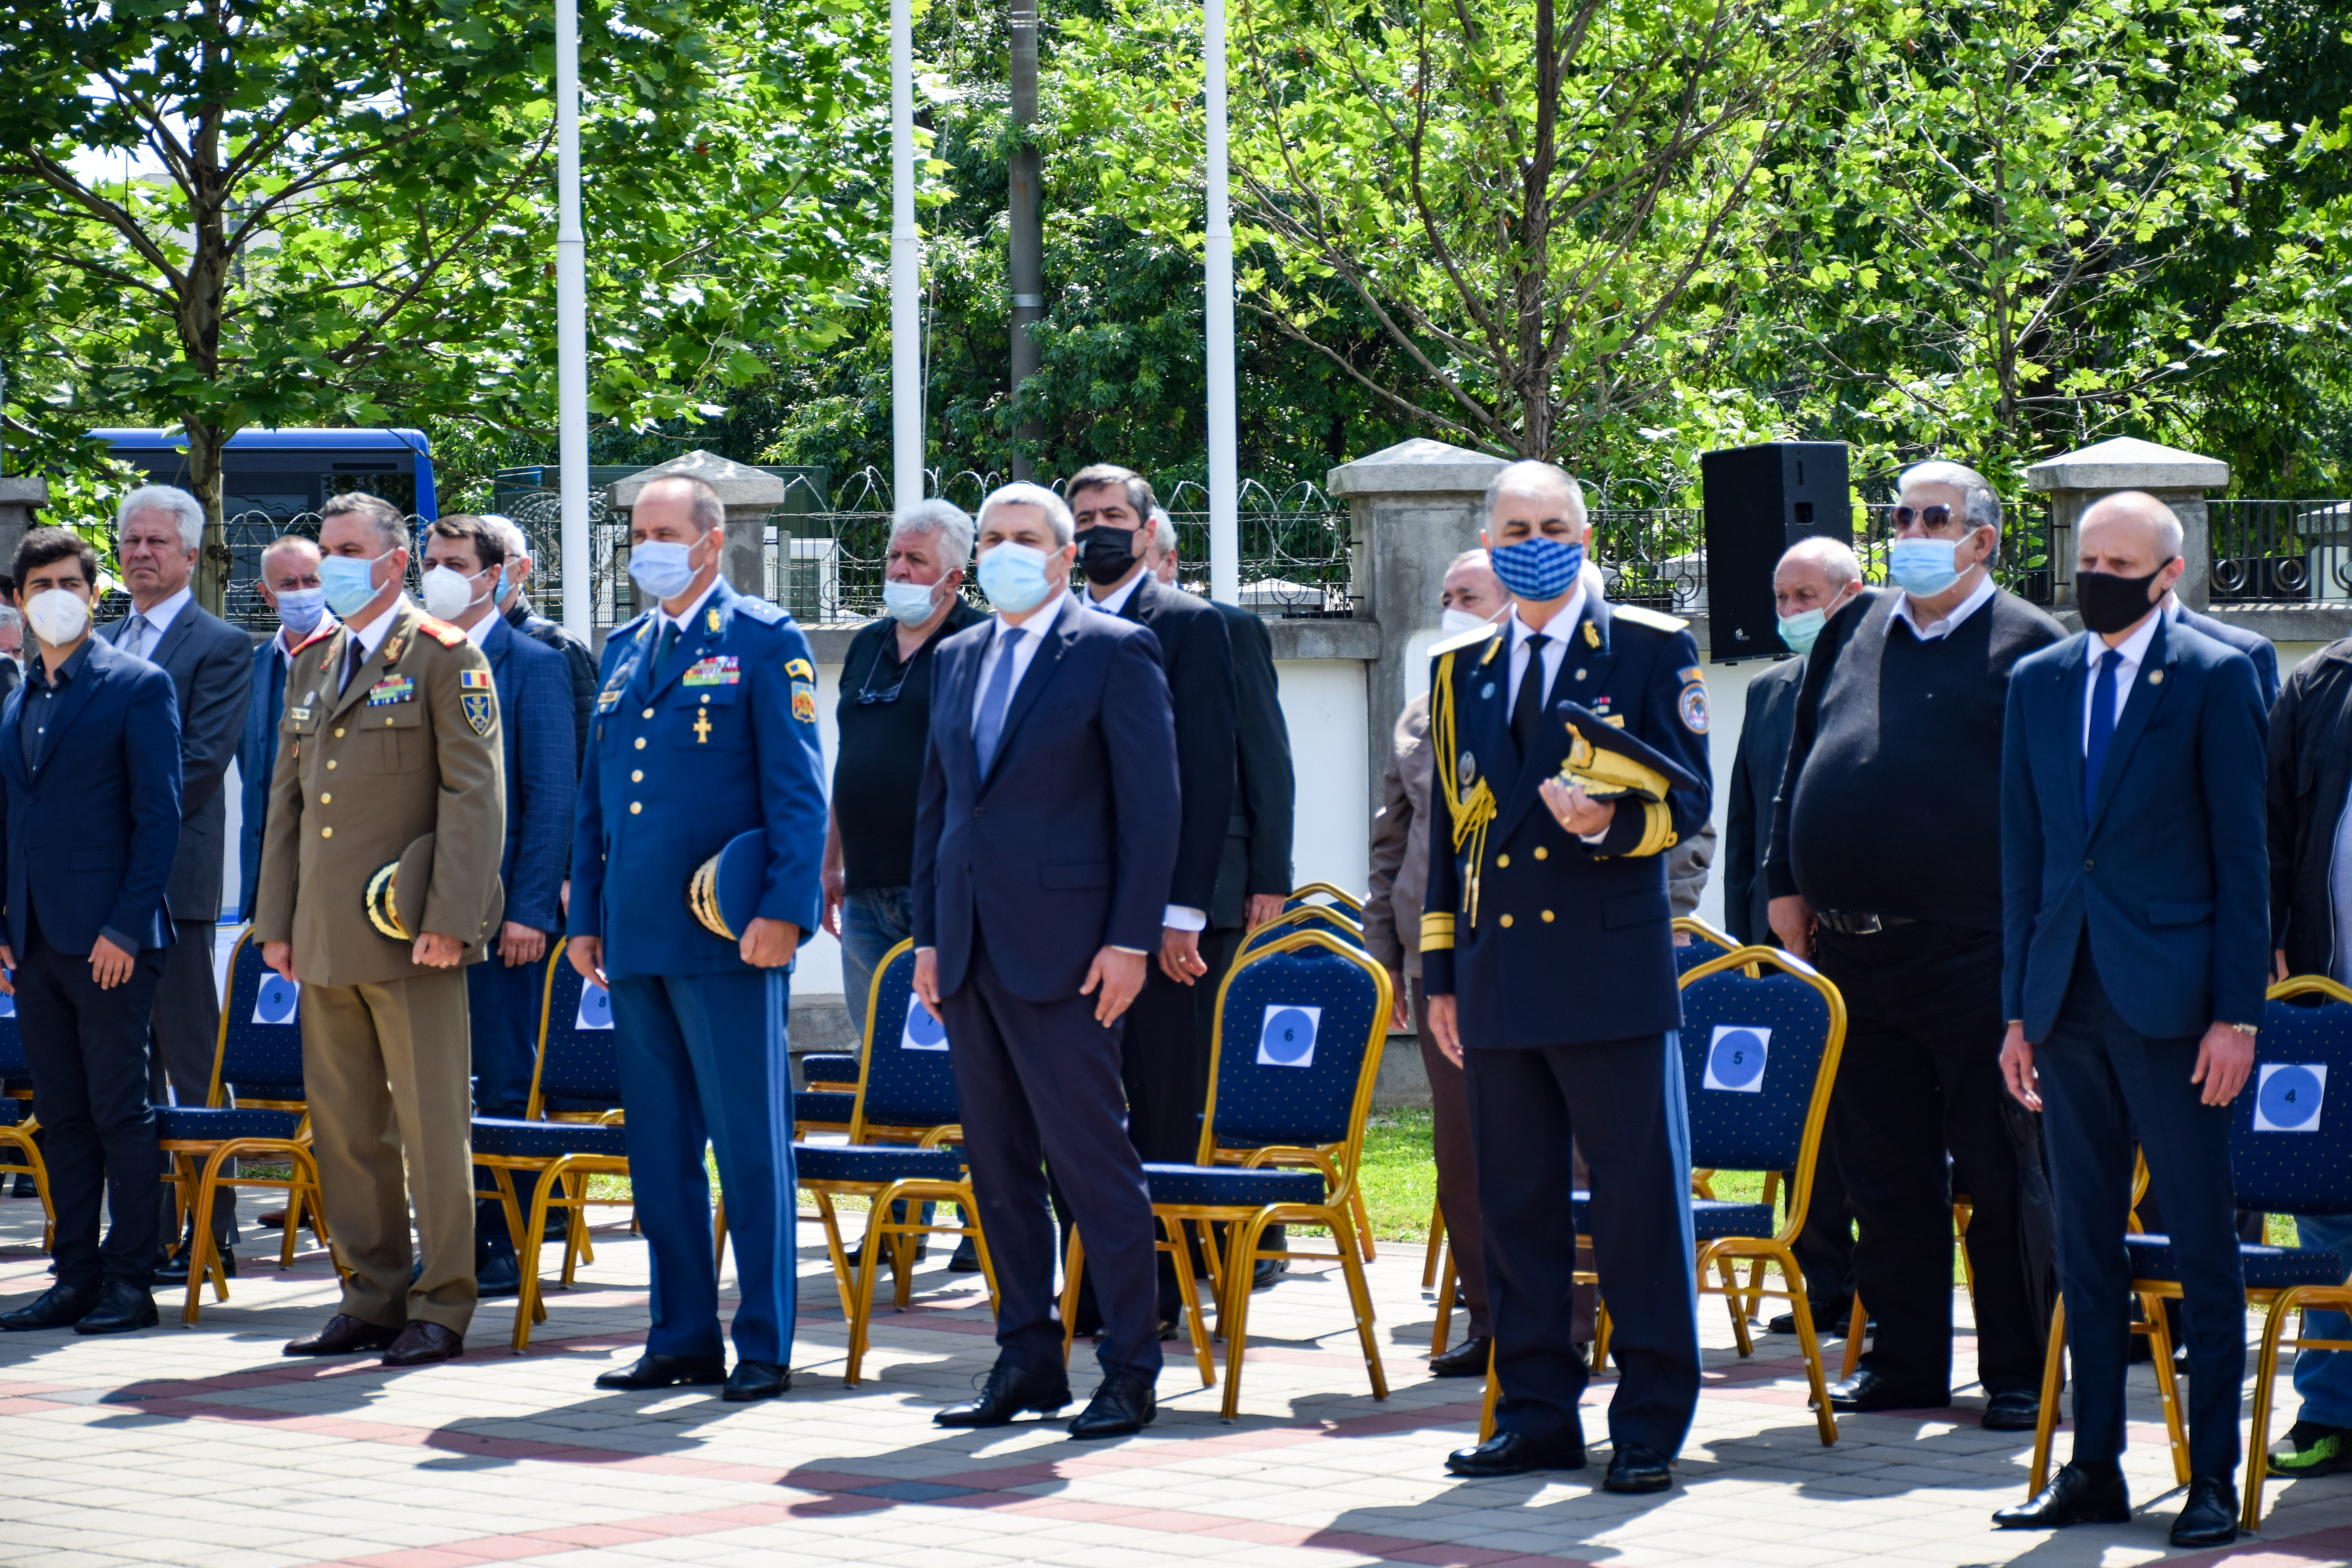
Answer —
2253 645
1042 866
705 730
290 585
2135 906
1548 954
464 557
90 776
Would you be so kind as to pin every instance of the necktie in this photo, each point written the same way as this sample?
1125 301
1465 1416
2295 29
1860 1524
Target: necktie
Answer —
135 635
993 703
2103 729
662 648
352 666
1527 708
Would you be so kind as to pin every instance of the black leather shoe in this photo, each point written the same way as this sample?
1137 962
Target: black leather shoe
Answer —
1827 1321
1636 1468
1467 1359
1122 1405
651 1371
423 1343
2210 1517
59 1307
1866 1391
121 1308
1008 1392
497 1277
1512 1454
344 1335
2014 1410
756 1380
2075 1495
965 1259
174 1269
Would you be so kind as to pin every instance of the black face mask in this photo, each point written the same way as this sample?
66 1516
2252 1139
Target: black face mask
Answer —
2109 604
1106 554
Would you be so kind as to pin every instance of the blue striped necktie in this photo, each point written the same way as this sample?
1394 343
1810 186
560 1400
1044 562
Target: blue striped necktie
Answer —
993 701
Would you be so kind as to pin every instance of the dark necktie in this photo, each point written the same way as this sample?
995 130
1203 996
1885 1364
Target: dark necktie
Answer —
351 670
2103 729
1527 708
662 648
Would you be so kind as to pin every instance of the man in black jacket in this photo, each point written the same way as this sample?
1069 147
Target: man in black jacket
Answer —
538 629
1882 868
158 529
1161 1058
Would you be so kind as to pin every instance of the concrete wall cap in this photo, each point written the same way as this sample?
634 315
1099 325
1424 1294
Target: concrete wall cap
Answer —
2128 463
1418 465
20 490
738 485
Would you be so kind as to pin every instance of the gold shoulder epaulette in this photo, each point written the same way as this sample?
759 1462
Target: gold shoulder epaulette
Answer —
1650 618
441 631
325 628
1465 639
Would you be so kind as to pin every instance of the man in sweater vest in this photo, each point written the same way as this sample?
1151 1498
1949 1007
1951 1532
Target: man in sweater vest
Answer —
1884 866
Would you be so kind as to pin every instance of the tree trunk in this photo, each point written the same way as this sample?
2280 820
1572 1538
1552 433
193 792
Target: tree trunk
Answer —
205 444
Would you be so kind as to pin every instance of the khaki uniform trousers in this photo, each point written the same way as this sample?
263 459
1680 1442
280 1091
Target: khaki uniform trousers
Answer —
387 1069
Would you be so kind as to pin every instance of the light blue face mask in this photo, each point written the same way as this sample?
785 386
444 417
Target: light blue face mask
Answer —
1924 567
348 583
662 567
1800 630
1013 577
298 609
908 604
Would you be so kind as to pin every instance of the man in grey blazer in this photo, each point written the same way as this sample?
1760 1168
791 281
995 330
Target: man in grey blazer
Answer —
158 531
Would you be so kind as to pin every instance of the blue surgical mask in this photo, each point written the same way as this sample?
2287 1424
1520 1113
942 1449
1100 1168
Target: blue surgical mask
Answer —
298 609
1800 630
1013 577
1537 569
349 583
908 604
662 567
1924 567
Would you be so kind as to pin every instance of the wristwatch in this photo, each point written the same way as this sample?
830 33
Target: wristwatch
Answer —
2247 1029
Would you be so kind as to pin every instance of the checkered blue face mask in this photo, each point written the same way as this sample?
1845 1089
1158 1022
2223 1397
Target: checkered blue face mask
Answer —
1539 568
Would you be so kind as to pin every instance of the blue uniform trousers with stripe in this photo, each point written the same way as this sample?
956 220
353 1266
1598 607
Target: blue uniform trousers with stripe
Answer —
703 1061
1622 1102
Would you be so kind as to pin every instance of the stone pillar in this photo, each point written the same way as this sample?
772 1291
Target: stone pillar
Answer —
2179 479
749 495
1414 508
20 498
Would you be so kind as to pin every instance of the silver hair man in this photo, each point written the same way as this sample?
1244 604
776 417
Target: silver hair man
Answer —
1531 478
950 522
1020 492
1980 505
183 508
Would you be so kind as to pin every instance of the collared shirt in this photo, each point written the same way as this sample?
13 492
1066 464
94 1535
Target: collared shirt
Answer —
41 696
883 722
682 622
1114 602
1019 644
370 639
480 632
2133 648
158 622
287 642
1557 631
1978 596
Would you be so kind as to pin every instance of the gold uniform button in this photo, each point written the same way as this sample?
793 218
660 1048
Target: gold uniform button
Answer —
648 714
326 800
339 731
1502 860
331 764
636 806
1506 921
326 833
387 718
641 742
1547 916
1542 853
637 775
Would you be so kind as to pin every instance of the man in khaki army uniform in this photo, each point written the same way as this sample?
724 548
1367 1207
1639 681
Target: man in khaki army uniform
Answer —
390 733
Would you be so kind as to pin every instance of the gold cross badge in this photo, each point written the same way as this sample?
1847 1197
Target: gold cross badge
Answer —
702 726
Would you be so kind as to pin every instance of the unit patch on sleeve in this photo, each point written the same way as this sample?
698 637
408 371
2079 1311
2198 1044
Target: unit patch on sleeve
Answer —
804 701
1693 707
719 670
392 688
481 707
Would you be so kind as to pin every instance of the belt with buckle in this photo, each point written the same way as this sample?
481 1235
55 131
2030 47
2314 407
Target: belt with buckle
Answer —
1847 923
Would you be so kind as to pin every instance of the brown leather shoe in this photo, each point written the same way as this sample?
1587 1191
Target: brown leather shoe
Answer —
344 1335
423 1343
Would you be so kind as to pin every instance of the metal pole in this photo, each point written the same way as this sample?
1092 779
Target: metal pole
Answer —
1225 508
1027 263
571 324
906 269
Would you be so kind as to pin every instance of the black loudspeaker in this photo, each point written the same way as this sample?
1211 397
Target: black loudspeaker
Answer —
1759 500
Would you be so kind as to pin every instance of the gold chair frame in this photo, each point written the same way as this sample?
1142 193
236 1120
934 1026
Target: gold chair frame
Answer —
20 1138
1347 903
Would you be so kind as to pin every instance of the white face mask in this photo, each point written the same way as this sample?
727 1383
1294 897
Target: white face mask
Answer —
449 592
1453 622
57 616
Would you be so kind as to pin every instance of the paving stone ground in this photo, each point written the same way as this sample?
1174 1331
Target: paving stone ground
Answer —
205 1447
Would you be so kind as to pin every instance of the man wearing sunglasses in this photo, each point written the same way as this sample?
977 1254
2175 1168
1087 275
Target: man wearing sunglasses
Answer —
1883 868
884 719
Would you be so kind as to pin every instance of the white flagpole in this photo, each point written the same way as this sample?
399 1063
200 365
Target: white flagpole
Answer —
1225 521
906 270
571 324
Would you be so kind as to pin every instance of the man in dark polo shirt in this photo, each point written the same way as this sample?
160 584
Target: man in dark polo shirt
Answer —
884 719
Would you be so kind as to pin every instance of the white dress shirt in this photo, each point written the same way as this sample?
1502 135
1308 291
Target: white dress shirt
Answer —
1114 602
1978 596
1019 644
2133 648
684 622
159 621
480 632
1557 630
370 638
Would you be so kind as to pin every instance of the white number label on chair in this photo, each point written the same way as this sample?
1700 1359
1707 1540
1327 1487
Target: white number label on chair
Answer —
1287 1038
8 1003
2288 1095
922 1032
1735 1060
275 1002
595 1007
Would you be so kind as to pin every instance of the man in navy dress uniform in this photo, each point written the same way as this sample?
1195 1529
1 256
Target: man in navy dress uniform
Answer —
1548 954
705 728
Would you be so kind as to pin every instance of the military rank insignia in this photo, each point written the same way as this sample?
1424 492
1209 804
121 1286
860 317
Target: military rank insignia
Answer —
478 693
800 669
719 669
804 701
392 688
710 618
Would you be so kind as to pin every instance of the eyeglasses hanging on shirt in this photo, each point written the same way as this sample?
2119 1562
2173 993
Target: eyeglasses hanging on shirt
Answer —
866 695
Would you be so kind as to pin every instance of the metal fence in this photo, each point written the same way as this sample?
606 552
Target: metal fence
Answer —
2281 551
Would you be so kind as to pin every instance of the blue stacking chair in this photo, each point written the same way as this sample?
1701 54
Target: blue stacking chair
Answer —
903 1122
2298 1160
1334 896
256 1106
1330 920
20 1149
1301 1023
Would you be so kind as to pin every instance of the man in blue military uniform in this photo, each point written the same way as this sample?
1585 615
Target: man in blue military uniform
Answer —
705 728
1547 953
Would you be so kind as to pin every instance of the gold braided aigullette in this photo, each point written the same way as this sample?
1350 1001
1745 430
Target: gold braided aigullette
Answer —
1471 814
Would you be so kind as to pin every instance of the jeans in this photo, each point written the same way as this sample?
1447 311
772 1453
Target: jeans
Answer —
872 921
2324 1378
